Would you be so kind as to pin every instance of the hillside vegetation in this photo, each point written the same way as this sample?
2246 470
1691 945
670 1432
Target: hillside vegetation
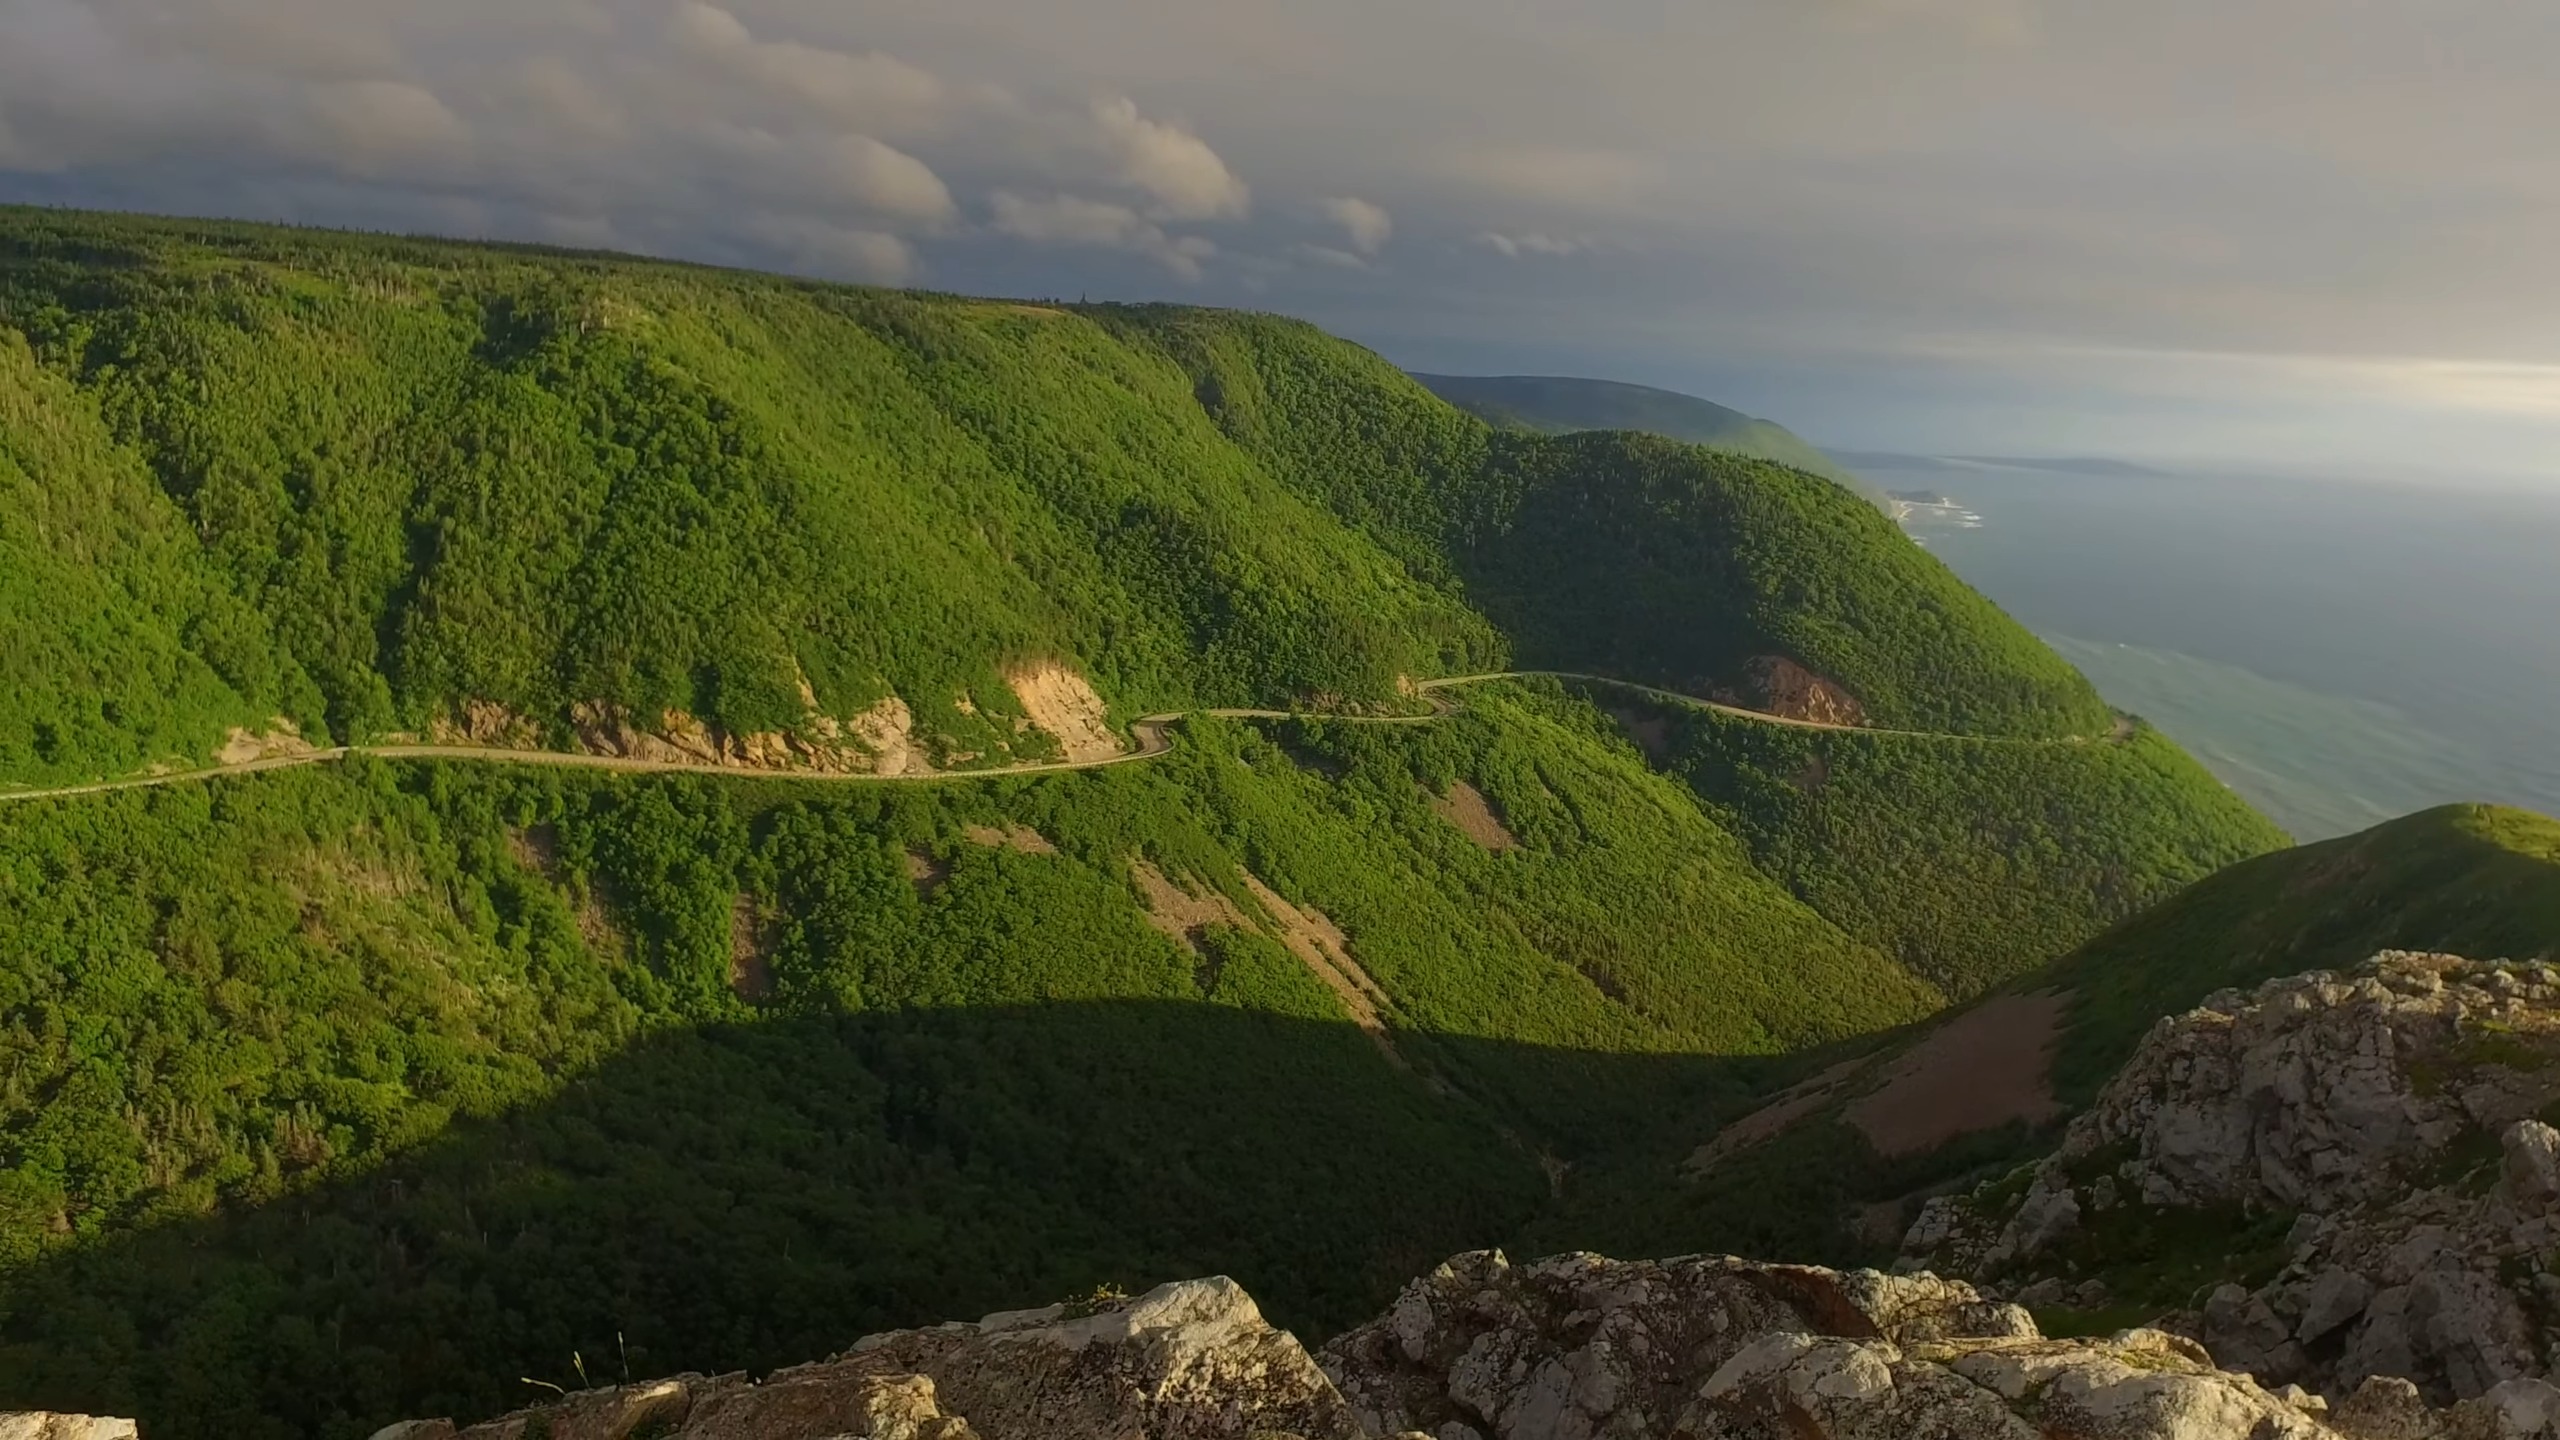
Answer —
365 483
1558 405
1947 853
2472 879
2479 880
340 1093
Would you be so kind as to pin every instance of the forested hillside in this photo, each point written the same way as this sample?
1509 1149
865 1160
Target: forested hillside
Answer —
1558 405
350 1091
1945 852
2478 880
366 484
2471 879
481 1066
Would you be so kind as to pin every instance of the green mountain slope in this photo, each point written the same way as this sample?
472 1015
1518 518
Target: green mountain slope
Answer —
448 475
1651 559
1557 405
2475 880
1945 853
118 632
328 1088
2472 880
342 1093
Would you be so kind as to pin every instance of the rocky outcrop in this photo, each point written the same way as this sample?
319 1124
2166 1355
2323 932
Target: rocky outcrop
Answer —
30 1426
2382 1123
1570 1348
1581 1348
1578 1347
1776 685
1191 1361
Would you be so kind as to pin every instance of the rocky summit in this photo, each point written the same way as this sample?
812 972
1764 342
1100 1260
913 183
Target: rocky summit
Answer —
1576 1347
2386 1126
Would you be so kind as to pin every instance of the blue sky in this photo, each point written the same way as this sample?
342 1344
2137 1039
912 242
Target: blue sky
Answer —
2313 233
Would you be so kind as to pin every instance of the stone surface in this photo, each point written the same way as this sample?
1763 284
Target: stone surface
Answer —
32 1425
2390 1111
1575 1347
1191 1361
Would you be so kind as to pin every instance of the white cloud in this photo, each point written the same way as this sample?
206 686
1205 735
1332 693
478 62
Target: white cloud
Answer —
1771 176
1514 247
1328 255
838 252
1176 168
881 178
383 127
1369 226
580 232
312 42
1075 220
860 87
562 95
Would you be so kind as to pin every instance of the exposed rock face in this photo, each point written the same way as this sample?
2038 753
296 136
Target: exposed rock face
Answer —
877 742
1063 703
1578 1347
1192 1361
2142 1383
1776 685
2389 1112
1571 1348
63 1427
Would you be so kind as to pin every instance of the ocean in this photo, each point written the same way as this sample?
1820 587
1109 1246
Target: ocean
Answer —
2338 652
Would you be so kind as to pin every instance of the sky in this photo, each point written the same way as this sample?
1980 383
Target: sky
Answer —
2288 233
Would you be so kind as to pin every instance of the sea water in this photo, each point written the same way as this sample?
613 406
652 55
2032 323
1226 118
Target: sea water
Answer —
2339 652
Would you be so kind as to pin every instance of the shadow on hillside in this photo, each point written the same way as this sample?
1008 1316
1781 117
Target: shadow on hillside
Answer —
755 1195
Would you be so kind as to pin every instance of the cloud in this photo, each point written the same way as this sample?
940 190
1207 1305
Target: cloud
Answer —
569 100
1176 168
838 252
1514 247
859 87
1368 225
1328 255
1074 220
338 42
384 127
1996 22
1566 176
884 179
1796 187
2517 390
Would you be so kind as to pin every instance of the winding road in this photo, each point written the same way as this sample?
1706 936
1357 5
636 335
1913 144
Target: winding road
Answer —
1153 732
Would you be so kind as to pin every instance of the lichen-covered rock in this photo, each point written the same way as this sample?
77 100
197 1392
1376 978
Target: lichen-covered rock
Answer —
2141 1385
1570 1348
2392 1110
34 1425
1577 1347
1191 1361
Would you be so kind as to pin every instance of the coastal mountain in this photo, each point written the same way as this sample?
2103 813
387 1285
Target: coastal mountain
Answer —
1556 405
374 488
1838 1163
561 806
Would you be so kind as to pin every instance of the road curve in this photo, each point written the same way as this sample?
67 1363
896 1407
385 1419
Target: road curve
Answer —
1153 732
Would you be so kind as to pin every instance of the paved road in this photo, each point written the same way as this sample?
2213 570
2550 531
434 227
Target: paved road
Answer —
1154 735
